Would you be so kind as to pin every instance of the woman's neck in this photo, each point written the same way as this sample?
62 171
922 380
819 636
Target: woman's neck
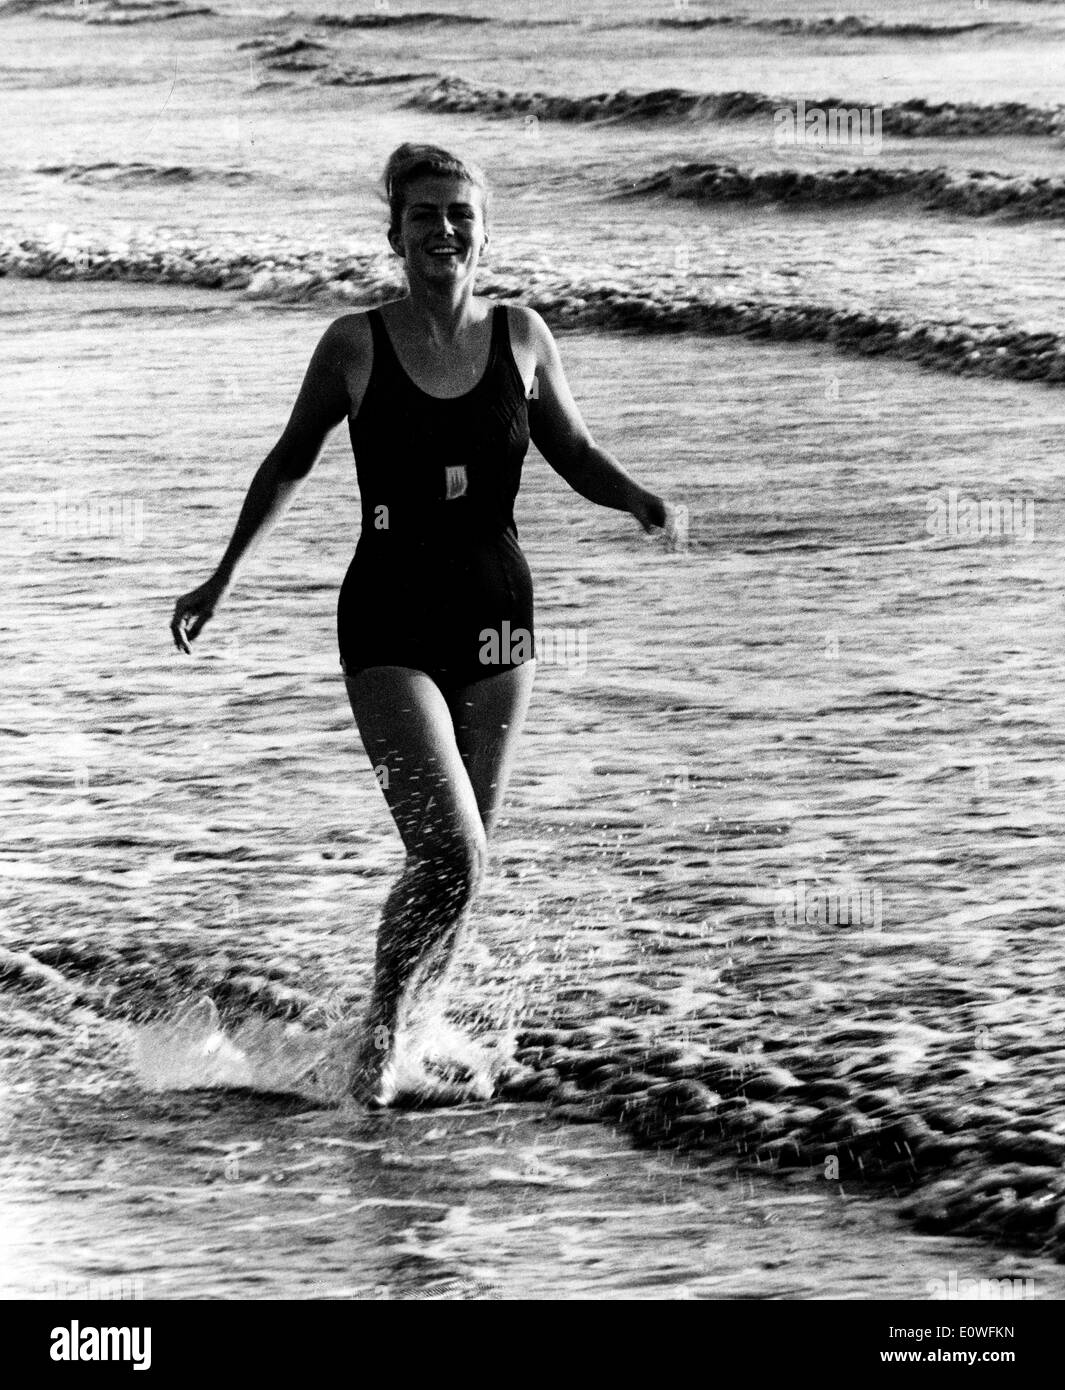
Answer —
443 315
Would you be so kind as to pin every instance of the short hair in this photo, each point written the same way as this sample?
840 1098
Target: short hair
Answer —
408 162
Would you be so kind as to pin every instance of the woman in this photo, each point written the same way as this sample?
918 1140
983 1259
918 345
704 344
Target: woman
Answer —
443 391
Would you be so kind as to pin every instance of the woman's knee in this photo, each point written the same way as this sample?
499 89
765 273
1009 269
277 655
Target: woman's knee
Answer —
464 861
455 866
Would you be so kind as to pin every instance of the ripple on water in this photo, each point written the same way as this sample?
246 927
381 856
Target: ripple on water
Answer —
175 837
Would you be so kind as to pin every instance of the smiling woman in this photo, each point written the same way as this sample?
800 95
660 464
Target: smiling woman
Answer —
409 163
436 389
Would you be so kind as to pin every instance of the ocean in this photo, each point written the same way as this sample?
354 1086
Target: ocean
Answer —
772 913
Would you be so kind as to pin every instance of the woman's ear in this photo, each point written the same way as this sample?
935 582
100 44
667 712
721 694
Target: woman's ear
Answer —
395 243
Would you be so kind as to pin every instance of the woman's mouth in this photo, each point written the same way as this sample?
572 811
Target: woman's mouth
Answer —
443 253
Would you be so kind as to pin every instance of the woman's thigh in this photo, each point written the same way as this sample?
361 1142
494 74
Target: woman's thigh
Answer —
488 718
409 735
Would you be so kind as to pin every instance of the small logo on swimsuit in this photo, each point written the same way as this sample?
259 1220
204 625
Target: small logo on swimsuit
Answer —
456 482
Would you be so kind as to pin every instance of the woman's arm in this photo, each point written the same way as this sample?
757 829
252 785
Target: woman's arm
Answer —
561 435
320 406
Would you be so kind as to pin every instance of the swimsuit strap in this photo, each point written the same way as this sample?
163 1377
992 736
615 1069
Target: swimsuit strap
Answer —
498 323
382 344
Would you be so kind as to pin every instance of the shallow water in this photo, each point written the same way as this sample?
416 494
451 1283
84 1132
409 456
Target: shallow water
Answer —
175 826
821 691
230 1196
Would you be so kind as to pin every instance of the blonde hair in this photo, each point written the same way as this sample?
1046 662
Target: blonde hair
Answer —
408 162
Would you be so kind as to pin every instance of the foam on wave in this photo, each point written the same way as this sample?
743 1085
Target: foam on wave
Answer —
115 12
384 19
425 18
359 279
138 173
841 25
916 117
301 55
974 193
850 1093
889 1099
838 25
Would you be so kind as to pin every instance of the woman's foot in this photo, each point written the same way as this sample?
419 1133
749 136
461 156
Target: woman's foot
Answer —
371 1079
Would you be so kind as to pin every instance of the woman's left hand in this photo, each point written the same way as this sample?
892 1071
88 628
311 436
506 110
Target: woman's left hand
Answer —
650 511
655 514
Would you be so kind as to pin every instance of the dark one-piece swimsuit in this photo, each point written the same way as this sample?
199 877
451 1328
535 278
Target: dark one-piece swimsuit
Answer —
438 581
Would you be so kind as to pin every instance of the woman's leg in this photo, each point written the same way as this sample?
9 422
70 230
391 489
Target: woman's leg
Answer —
489 716
443 765
408 732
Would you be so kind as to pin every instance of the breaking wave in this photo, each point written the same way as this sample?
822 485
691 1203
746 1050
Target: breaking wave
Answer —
295 275
878 1095
136 173
841 25
384 19
787 1105
413 18
301 55
916 117
116 12
120 12
975 193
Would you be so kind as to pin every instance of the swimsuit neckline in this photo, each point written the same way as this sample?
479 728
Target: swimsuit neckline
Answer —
428 394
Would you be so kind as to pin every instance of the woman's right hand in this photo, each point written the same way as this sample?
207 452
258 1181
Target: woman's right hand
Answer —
193 610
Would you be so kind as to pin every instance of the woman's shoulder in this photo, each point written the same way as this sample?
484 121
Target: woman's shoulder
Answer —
353 327
527 328
349 338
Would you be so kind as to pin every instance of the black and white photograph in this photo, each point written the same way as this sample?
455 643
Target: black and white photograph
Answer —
533 744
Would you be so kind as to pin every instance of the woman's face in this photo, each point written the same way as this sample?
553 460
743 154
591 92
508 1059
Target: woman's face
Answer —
442 231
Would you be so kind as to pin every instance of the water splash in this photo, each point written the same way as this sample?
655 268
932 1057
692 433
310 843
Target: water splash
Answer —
438 1062
435 1061
194 1050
